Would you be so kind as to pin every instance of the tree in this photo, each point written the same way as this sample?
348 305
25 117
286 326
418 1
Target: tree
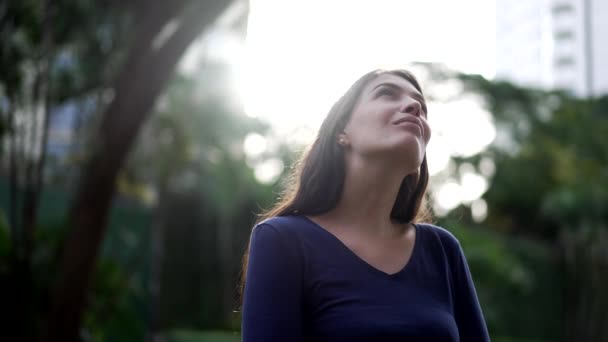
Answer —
190 154
162 33
551 184
39 46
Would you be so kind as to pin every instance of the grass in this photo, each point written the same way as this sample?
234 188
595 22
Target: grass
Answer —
203 336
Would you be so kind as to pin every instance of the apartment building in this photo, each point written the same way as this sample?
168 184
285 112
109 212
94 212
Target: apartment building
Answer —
554 44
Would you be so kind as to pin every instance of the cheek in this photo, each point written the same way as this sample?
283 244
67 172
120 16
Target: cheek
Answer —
377 113
427 131
364 122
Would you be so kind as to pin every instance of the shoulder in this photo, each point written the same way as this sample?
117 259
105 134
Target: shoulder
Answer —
283 222
441 240
287 229
276 239
284 225
441 235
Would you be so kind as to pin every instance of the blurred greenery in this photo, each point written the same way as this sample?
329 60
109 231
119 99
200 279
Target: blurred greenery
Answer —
117 301
511 274
208 336
548 196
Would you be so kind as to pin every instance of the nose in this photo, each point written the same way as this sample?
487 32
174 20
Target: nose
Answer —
412 107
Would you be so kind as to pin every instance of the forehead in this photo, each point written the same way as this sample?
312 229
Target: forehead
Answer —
392 79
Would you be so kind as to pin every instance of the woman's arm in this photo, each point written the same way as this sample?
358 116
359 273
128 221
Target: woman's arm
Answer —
272 303
467 311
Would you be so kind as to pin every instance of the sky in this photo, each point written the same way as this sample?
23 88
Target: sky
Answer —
300 56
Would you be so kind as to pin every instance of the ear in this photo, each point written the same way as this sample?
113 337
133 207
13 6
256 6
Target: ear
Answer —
343 140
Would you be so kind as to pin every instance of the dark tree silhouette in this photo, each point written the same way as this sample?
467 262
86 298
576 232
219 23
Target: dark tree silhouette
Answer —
164 30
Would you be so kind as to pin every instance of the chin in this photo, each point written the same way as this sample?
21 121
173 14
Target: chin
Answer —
409 156
412 147
409 152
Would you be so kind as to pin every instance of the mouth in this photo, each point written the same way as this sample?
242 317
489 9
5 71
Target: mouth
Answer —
408 119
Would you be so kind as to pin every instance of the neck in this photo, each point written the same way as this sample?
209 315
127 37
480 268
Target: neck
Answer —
368 197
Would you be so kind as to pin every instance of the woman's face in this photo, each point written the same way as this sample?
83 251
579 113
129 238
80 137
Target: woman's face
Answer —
389 120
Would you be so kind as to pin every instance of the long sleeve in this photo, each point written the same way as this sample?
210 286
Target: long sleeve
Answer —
467 311
272 303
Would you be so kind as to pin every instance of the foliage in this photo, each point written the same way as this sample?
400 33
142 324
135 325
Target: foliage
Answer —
551 184
511 274
113 298
62 52
550 168
191 154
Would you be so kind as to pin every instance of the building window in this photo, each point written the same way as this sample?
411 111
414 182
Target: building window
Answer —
562 8
563 35
564 61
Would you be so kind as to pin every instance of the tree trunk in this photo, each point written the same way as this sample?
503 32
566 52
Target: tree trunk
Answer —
586 269
16 250
156 262
137 86
12 172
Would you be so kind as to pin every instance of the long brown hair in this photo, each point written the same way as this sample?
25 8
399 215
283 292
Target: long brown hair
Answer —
315 184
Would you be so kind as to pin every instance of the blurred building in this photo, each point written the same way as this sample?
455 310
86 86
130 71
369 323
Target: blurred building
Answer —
553 44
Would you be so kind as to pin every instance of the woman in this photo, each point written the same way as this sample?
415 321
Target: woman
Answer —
341 257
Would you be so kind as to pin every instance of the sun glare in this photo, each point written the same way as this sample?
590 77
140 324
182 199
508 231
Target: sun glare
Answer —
300 56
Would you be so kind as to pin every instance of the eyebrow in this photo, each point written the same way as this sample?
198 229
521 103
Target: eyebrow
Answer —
415 95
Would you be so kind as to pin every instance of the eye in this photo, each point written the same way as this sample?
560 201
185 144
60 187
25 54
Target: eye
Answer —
386 91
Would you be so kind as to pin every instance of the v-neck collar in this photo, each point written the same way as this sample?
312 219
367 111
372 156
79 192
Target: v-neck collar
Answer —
360 260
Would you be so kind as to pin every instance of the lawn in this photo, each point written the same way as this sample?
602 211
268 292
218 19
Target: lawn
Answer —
203 336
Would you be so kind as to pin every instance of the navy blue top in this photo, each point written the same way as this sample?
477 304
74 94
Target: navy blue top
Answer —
304 284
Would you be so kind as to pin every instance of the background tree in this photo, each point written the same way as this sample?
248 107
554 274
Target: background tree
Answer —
40 46
44 36
153 47
551 185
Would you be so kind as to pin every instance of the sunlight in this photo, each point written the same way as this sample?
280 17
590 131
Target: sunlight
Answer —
463 126
479 210
299 57
294 71
473 186
254 145
269 170
448 196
